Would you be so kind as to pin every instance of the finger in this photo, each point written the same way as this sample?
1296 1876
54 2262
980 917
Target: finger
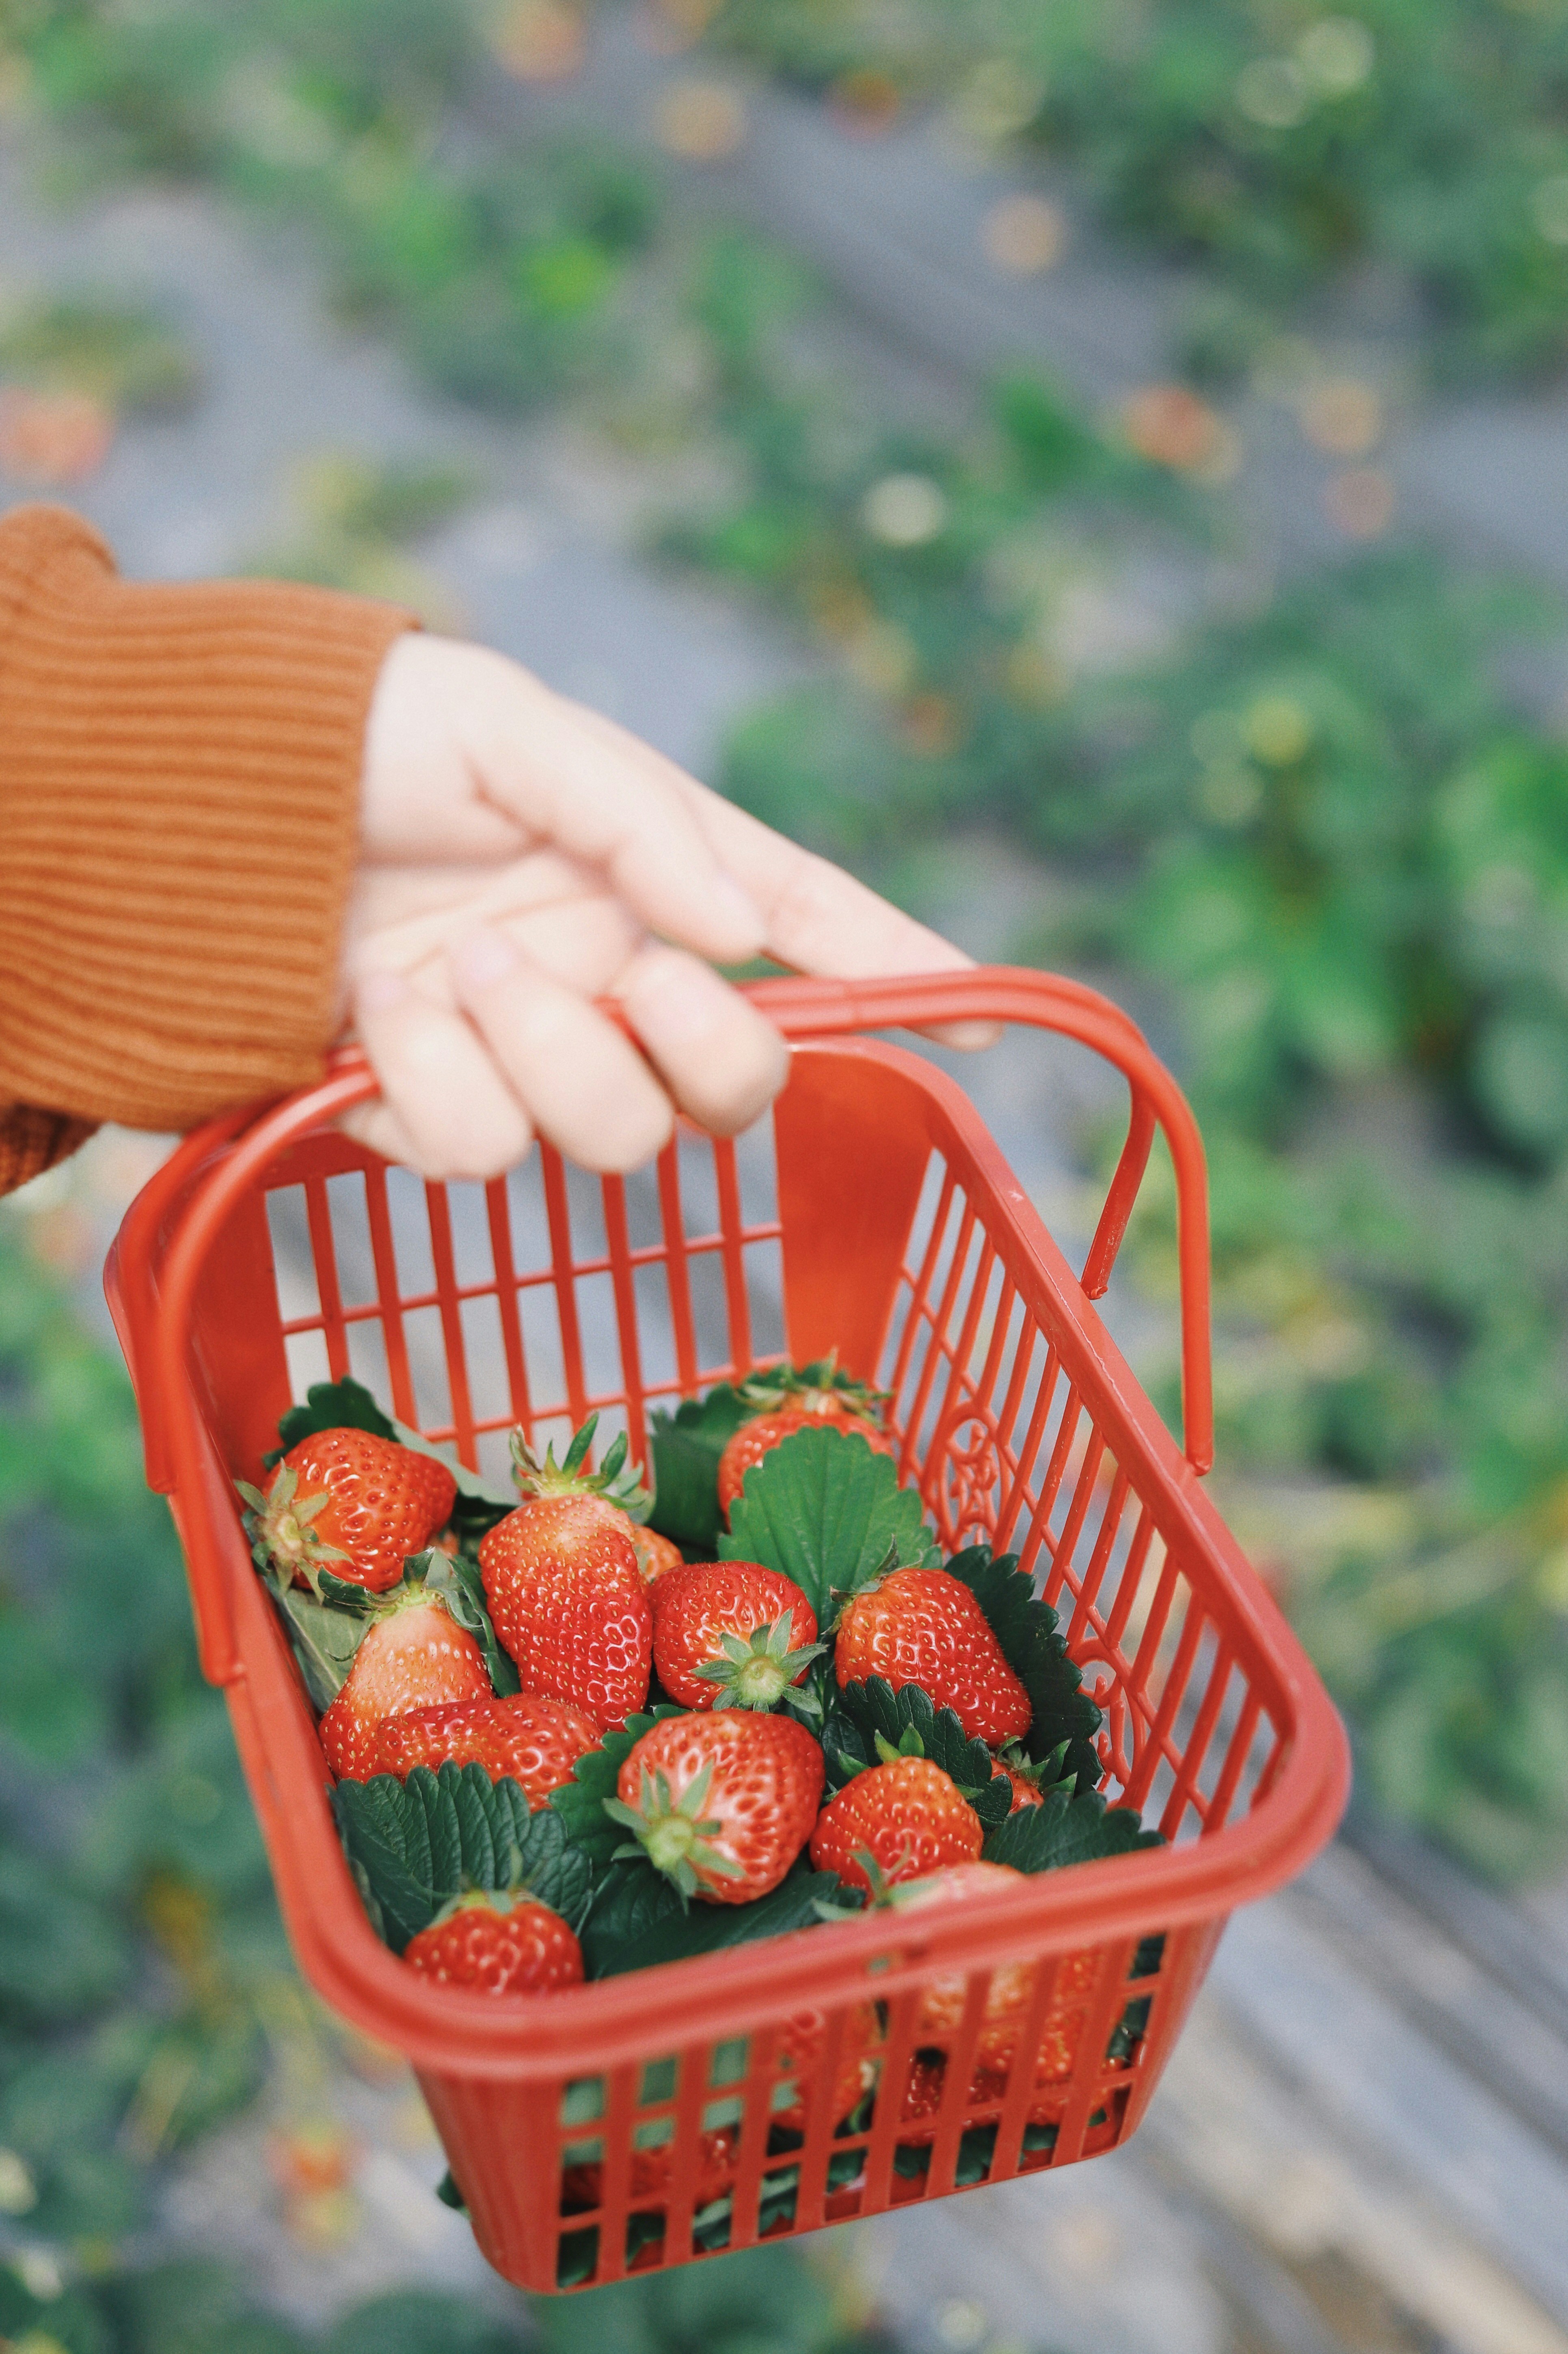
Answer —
721 1061
454 1105
586 1086
821 921
574 778
377 1126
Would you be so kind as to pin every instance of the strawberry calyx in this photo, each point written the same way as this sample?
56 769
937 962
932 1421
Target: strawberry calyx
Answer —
671 1832
819 1388
494 1900
279 1526
1043 1772
760 1669
615 1482
427 1577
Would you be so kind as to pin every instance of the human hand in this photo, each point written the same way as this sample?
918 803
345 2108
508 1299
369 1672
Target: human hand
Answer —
521 856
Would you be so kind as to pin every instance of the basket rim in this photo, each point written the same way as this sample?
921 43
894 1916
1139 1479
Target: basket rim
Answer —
582 2030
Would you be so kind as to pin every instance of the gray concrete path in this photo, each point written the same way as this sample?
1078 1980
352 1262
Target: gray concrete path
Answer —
894 222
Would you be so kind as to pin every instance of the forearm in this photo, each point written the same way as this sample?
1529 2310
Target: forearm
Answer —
179 788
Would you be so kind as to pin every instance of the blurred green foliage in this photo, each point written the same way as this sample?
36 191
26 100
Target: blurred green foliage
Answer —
499 270
120 353
1281 142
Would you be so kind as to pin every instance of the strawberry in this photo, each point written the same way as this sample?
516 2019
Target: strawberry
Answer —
1012 1988
348 1501
655 1553
924 1627
798 2057
652 2172
500 1944
1026 1791
783 1401
904 1820
412 1655
721 1803
562 1579
730 1634
522 1739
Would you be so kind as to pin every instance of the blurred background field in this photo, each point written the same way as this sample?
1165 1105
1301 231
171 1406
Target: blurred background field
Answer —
1103 474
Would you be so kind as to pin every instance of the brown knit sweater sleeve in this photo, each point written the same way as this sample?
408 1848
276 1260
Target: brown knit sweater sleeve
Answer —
179 772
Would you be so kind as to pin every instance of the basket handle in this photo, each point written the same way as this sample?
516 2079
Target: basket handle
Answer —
1013 993
177 1443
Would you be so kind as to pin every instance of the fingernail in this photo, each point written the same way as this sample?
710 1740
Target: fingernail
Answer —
379 992
480 961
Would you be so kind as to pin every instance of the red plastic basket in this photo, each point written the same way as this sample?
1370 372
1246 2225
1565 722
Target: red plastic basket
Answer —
581 2130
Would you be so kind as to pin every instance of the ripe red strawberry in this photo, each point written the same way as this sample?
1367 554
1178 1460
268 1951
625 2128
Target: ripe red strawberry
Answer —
718 2155
1011 1989
730 1634
924 1627
522 1739
413 1655
721 1803
565 1590
348 1501
500 1944
655 1553
1026 1791
797 2058
907 1817
783 1401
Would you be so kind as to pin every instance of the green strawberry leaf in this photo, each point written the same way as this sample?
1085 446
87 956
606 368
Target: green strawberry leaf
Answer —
501 1500
1064 1830
638 1917
330 1405
868 1718
683 1450
412 1845
324 1639
830 1513
579 1802
1036 1651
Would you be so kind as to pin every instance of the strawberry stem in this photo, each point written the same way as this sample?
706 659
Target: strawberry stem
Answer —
615 1482
757 1671
671 1832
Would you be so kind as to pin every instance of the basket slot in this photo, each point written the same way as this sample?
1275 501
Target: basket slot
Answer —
1238 1753
957 2075
678 1268
1017 1465
620 1242
818 2147
323 1255
519 1394
1037 1538
1089 1466
736 1302
1085 1615
559 1217
681 2203
1130 1584
1195 1745
384 1259
455 1351
754 2132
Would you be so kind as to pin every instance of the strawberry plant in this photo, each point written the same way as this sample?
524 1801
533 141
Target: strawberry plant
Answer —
1284 149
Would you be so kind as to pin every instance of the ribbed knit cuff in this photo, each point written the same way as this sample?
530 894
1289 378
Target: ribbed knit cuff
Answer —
179 783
